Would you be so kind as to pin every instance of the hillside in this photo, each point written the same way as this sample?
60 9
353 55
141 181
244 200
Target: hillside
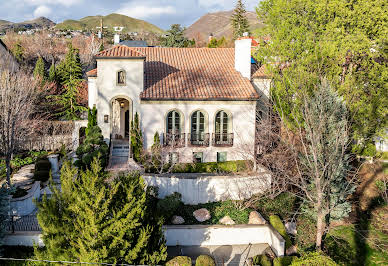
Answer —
91 22
38 23
218 24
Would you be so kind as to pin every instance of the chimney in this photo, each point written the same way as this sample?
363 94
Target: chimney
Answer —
116 38
242 56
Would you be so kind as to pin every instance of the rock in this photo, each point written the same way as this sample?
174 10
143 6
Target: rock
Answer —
291 228
291 251
227 220
202 215
269 253
177 220
256 218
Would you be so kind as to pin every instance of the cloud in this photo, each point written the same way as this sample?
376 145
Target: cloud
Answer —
42 11
66 3
144 11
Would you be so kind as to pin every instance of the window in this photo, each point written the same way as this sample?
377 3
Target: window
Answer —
173 157
197 157
121 77
222 123
221 156
197 126
173 123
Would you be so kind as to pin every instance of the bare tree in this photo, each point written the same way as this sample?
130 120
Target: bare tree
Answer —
17 106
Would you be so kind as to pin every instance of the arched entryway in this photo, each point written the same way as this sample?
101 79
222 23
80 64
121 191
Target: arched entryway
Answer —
121 108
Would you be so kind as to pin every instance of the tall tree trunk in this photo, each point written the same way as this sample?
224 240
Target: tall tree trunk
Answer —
318 241
8 169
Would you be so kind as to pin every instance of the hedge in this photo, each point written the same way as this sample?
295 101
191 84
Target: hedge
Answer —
262 260
314 259
283 261
214 167
42 176
179 261
205 260
277 223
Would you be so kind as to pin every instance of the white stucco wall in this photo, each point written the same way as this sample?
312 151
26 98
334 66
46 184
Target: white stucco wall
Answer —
206 189
25 205
243 114
107 87
203 235
92 91
242 55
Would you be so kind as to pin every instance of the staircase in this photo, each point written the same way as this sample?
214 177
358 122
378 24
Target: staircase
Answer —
119 159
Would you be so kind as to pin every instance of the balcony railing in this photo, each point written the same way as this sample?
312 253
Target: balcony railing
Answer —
199 139
174 140
222 139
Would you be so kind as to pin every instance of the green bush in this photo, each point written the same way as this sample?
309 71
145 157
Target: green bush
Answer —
262 260
214 167
41 176
283 205
179 261
306 233
19 192
277 223
168 206
283 261
205 260
43 165
314 259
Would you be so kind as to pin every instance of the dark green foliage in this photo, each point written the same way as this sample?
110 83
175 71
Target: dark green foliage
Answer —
277 223
214 167
39 70
93 146
262 260
101 48
18 252
19 192
27 158
92 119
366 149
214 43
169 205
53 76
42 170
175 37
179 261
18 52
283 261
4 209
91 220
205 260
307 229
136 139
41 175
314 259
70 75
284 205
239 20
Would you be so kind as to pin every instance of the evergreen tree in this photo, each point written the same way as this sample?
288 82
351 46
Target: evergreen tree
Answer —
39 70
136 139
53 76
175 37
70 74
156 151
89 220
4 209
101 48
92 119
18 52
239 20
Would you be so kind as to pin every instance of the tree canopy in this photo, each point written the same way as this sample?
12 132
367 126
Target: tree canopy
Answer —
239 20
343 41
175 37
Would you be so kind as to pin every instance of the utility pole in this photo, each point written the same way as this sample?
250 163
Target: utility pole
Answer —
101 31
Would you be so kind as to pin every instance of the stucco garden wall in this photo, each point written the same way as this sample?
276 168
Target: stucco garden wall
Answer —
25 205
205 189
153 119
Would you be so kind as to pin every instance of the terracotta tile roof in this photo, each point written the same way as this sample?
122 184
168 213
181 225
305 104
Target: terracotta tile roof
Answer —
254 42
193 73
259 71
92 73
119 51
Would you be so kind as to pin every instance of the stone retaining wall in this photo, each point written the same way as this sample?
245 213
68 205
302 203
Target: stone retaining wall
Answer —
25 205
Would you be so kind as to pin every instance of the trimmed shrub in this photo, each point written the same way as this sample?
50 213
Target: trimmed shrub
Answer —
262 260
306 233
168 206
214 167
205 260
41 176
277 223
314 259
19 192
43 165
283 261
179 261
282 205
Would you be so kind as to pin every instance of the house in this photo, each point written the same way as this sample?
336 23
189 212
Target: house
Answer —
202 101
7 58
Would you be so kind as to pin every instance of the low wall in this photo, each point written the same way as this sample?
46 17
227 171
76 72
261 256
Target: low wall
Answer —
25 205
220 235
28 238
203 189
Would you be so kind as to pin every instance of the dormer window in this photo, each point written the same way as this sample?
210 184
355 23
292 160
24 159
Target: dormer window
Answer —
121 77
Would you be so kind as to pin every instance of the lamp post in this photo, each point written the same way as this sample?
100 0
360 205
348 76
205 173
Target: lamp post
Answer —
13 215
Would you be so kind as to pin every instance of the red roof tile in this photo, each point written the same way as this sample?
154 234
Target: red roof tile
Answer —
259 71
92 73
119 51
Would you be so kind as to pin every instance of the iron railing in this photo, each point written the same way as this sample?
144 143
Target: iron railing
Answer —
222 139
174 140
199 139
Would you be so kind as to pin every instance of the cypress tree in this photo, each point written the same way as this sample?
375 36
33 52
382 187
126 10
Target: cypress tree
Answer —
18 52
136 139
39 70
89 220
239 20
53 77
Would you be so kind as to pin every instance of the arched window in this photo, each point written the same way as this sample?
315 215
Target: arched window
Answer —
222 126
173 122
121 77
197 125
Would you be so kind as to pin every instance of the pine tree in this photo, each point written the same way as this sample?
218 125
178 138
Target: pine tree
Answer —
39 70
136 139
70 74
176 38
18 52
239 20
156 152
53 76
89 220
4 209
92 119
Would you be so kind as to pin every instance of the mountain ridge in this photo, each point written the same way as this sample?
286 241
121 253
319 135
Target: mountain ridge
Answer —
38 23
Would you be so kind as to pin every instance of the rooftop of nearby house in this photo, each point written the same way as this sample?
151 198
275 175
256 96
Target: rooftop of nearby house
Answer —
188 73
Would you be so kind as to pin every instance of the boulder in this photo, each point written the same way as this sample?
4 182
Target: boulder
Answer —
202 215
177 220
291 251
256 218
227 220
291 228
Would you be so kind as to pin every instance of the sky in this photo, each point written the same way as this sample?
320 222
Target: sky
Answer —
162 13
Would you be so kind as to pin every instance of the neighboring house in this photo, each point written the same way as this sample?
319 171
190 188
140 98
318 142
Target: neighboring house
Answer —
202 101
382 143
7 58
130 43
